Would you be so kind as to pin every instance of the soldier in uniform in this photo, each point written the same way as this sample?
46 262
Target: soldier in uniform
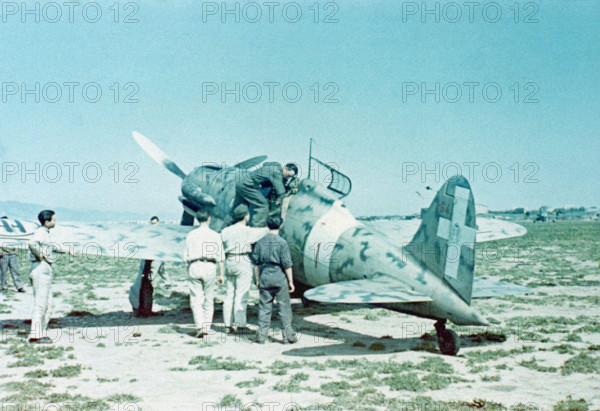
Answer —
9 262
42 255
204 257
274 278
248 190
237 240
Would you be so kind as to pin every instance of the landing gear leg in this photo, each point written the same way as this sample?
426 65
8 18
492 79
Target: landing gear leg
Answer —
448 340
305 302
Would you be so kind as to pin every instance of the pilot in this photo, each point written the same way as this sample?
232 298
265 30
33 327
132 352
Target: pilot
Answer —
248 190
10 263
42 253
204 257
273 276
237 241
291 185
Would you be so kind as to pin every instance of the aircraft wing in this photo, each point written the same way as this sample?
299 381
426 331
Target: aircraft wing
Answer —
143 241
488 229
380 289
483 288
117 240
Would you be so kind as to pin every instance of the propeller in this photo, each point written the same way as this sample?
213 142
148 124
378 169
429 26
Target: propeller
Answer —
157 154
251 162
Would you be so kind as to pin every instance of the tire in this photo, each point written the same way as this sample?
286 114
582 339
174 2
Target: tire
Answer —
449 342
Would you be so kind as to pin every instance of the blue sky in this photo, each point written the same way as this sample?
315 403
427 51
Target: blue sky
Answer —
379 132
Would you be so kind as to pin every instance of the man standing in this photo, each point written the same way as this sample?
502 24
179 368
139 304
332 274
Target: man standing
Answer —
204 256
9 262
237 241
274 278
141 292
42 253
248 190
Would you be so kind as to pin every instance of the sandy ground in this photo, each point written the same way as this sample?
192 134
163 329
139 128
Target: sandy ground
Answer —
148 363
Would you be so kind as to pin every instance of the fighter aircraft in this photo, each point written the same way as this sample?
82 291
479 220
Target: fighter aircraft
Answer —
424 270
420 267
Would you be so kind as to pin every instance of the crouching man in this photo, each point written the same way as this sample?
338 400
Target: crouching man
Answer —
274 279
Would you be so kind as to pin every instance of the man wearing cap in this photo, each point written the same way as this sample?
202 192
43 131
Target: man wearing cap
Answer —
237 241
274 278
204 257
248 190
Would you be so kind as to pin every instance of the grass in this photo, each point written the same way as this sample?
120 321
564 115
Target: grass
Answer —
67 371
532 364
581 363
292 384
251 383
569 404
207 362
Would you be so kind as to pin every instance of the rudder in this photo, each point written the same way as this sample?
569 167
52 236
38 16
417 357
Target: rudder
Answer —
445 241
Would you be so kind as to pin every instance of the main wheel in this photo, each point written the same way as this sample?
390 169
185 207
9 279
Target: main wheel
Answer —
449 342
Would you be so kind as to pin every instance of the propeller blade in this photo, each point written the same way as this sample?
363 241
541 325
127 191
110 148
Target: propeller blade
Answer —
157 154
251 162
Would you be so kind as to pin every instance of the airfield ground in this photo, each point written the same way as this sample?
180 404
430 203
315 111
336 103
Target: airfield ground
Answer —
542 350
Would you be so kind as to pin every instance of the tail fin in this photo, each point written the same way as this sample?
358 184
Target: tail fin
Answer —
445 241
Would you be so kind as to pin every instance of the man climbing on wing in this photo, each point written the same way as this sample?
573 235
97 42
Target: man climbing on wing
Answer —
248 190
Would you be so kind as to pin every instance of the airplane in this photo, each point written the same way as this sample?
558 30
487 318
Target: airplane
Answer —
420 267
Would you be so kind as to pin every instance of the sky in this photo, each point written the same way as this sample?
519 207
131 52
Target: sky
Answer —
396 95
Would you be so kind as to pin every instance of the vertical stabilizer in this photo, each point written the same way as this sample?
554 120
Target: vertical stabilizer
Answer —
445 241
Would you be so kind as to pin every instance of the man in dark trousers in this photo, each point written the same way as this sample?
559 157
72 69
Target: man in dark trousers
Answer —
274 279
248 190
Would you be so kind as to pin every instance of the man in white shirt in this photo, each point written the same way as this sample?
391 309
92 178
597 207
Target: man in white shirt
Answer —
237 240
204 256
42 253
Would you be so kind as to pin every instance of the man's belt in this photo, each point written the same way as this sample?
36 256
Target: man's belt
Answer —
265 265
204 260
236 254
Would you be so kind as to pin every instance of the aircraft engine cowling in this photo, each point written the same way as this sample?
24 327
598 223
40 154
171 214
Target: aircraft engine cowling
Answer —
193 199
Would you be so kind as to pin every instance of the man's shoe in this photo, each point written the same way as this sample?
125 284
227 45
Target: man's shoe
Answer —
230 330
21 290
259 340
291 340
200 334
43 340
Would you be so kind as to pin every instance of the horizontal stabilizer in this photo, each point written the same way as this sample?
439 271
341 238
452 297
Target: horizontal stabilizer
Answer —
381 289
488 288
488 229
